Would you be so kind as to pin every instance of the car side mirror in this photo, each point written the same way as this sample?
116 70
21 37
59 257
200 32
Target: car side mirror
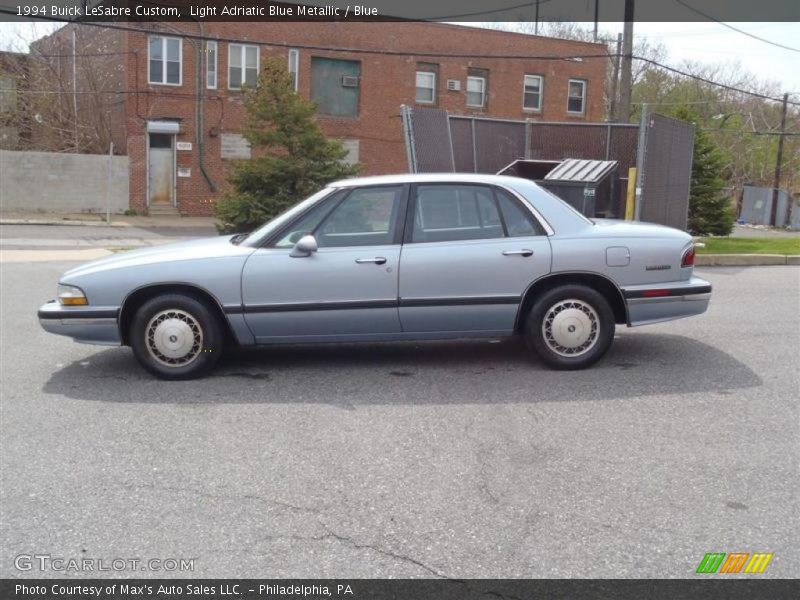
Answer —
305 246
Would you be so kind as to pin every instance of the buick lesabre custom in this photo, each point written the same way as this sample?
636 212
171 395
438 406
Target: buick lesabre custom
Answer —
389 258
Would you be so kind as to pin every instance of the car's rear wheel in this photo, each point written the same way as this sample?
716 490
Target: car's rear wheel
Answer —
175 336
570 327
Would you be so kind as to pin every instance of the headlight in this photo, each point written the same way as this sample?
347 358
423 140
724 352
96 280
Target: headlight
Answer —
69 295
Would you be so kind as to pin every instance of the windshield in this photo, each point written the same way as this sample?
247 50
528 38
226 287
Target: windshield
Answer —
255 238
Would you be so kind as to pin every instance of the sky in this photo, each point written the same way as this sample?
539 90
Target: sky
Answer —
707 42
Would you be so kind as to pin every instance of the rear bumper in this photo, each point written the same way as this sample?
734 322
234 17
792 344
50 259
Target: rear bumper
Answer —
654 303
85 324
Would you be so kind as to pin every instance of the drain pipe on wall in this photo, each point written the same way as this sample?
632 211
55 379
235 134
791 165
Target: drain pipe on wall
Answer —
200 107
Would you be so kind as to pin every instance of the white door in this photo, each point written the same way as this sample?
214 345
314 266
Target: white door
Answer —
161 169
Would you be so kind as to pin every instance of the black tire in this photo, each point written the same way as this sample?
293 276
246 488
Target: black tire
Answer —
181 317
586 306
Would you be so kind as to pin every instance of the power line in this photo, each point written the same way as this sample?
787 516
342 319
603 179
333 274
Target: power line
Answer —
711 82
488 12
736 29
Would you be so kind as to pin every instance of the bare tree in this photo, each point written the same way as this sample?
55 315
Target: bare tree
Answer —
68 92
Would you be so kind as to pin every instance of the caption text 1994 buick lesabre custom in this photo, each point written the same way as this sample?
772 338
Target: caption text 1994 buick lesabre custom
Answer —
389 258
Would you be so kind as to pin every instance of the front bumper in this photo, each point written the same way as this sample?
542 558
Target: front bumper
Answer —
654 303
85 324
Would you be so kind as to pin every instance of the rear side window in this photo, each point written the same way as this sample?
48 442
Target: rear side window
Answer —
518 222
455 212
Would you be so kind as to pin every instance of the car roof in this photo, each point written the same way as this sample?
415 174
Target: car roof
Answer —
425 178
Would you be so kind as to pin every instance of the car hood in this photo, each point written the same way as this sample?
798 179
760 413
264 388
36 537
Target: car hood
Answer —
204 248
636 229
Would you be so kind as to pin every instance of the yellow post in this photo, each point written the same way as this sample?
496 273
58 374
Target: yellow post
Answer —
631 194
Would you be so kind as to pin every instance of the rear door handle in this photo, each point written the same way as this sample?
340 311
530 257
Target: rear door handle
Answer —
378 260
523 252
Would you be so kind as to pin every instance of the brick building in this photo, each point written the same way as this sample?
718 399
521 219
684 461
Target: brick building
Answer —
180 114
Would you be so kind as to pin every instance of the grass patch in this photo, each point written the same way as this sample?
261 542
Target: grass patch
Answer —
757 245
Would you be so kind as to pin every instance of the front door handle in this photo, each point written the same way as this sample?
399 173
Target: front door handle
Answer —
378 260
523 252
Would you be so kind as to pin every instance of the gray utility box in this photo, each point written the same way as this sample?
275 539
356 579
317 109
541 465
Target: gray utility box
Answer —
589 186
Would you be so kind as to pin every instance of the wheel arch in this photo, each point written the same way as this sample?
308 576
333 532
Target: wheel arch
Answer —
596 281
135 299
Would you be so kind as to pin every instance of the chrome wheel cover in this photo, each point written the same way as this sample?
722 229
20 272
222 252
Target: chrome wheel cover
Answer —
174 338
571 327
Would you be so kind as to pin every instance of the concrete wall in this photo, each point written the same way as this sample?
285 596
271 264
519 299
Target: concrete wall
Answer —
69 183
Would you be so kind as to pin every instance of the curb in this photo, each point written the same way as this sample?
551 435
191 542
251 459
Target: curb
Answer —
68 222
744 260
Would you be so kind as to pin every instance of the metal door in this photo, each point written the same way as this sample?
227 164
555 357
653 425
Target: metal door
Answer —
161 170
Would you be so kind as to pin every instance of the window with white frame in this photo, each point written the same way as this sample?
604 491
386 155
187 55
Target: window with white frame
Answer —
211 65
532 92
476 92
165 59
426 87
294 67
242 66
576 98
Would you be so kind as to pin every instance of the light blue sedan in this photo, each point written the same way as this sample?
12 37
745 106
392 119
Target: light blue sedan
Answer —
404 257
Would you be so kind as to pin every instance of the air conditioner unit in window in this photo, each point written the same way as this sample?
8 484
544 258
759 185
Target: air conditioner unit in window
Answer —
454 85
349 81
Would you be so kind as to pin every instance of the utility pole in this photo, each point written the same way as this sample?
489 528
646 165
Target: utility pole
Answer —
596 17
613 109
778 160
75 86
625 79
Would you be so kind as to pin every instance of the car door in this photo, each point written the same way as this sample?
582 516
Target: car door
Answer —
347 289
469 253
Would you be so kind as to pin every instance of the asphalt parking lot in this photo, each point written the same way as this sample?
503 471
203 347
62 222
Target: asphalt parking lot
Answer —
458 459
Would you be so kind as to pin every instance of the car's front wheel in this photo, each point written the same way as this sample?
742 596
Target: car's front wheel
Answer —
570 327
175 336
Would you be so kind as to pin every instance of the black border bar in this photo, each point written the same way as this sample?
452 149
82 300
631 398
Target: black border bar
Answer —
704 587
704 11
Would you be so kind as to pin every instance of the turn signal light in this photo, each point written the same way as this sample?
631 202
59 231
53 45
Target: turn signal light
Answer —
69 295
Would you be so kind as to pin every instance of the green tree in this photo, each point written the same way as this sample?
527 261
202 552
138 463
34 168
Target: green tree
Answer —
710 211
292 158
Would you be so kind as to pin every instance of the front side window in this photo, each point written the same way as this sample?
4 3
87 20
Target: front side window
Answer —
211 65
165 56
361 217
242 66
476 92
532 93
426 87
577 96
446 213
366 217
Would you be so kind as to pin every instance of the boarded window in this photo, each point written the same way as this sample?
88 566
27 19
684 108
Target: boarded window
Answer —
334 86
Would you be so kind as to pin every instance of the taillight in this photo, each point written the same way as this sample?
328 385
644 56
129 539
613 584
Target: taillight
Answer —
687 260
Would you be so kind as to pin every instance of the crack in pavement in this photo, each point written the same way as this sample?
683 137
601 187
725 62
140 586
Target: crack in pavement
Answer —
203 494
329 533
